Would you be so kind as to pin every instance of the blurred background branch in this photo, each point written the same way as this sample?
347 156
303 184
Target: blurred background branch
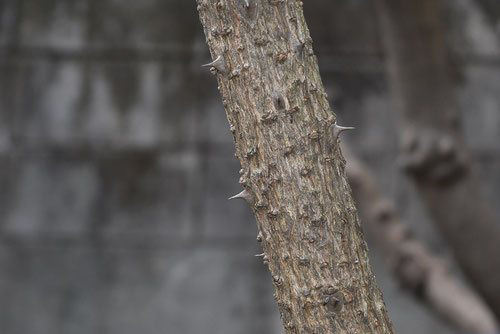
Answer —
424 275
433 150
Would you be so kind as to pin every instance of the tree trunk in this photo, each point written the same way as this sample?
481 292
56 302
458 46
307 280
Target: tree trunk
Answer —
415 268
433 150
292 168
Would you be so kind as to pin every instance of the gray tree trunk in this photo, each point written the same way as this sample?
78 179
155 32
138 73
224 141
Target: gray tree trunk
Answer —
292 168
433 150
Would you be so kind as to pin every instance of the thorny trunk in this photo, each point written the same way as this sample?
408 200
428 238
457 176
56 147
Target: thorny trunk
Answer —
416 269
433 150
292 168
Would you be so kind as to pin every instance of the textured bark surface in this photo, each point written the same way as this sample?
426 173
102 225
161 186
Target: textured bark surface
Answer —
433 150
292 167
416 269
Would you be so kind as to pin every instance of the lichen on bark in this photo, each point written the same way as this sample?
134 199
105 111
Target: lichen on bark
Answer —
292 166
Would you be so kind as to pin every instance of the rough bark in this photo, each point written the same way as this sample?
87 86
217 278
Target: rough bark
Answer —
292 168
418 271
433 150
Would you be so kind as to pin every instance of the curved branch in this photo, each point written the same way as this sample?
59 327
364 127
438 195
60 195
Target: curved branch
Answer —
433 150
419 272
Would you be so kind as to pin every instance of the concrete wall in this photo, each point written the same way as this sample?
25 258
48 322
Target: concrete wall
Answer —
116 161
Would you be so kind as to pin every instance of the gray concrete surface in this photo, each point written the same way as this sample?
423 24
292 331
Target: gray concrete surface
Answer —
116 161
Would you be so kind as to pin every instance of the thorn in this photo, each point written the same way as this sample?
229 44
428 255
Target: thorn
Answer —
211 63
247 4
337 129
260 255
244 195
218 63
259 237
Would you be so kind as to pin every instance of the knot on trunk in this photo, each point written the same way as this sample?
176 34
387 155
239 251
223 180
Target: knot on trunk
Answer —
431 156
